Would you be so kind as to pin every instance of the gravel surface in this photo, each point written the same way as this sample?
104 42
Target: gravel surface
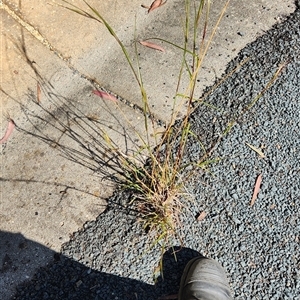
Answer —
258 246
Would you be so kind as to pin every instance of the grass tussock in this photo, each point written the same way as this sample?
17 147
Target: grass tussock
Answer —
156 182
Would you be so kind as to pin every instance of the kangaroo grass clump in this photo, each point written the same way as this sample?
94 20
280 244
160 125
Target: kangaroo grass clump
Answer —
156 182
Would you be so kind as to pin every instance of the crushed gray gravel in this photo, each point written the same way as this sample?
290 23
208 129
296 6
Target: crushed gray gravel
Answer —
259 246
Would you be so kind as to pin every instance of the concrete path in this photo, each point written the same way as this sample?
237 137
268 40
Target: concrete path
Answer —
54 172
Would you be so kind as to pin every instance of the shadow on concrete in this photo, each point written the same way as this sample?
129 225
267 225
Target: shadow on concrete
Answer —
19 257
63 278
78 135
63 188
68 128
84 130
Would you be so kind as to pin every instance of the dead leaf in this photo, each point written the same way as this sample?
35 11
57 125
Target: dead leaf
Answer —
9 130
105 95
258 151
152 45
38 93
256 189
201 216
155 4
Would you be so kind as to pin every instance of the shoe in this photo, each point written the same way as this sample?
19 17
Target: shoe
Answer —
204 279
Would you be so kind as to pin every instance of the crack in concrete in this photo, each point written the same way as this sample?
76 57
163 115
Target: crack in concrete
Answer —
36 34
33 31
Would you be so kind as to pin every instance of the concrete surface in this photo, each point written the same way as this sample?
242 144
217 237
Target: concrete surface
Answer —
52 168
